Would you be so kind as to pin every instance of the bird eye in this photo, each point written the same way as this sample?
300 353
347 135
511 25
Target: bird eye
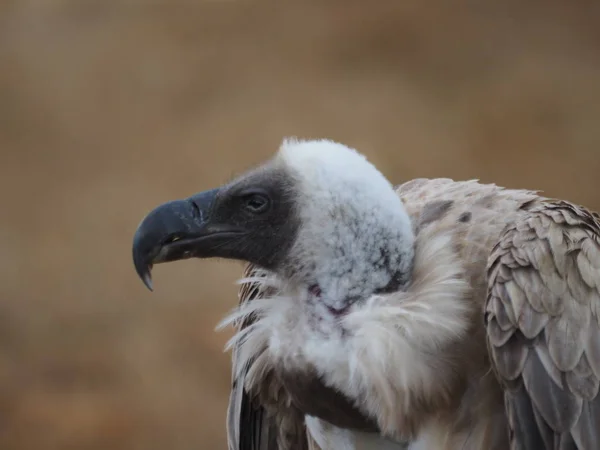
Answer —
256 203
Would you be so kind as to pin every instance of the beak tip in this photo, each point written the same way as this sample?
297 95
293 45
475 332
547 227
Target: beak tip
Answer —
144 271
147 278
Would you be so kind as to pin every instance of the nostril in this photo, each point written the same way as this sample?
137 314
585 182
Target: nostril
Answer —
195 210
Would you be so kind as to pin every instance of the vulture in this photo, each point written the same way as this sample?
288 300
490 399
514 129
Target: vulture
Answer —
433 315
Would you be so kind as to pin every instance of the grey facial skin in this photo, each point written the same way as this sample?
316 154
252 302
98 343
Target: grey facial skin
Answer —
251 219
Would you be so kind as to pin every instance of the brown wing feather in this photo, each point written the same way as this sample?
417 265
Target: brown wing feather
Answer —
258 421
542 319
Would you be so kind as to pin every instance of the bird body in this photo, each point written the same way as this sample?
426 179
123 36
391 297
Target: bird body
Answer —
436 315
456 225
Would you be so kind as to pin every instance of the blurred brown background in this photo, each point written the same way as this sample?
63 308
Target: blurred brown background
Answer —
108 108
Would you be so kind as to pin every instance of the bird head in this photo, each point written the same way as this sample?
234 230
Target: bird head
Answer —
317 214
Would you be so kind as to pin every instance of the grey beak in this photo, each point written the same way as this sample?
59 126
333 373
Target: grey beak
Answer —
177 230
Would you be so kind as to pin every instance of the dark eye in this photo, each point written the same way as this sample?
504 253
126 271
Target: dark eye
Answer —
257 203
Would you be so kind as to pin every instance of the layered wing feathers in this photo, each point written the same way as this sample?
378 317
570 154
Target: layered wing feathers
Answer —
543 326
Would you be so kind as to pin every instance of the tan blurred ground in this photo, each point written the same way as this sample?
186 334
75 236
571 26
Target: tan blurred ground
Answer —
109 108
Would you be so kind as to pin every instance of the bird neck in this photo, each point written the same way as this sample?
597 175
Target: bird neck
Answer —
351 261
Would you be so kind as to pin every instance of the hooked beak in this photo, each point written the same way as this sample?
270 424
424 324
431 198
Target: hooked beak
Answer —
176 230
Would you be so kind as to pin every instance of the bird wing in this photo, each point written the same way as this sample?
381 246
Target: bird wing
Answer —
266 420
542 318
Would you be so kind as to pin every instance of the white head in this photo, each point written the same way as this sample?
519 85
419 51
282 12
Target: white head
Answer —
318 214
355 237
